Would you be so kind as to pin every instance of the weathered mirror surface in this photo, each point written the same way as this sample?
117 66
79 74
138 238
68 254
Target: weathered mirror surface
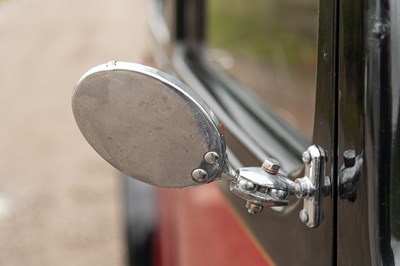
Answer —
147 124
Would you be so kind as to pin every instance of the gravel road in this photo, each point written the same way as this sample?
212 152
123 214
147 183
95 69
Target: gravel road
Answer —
60 203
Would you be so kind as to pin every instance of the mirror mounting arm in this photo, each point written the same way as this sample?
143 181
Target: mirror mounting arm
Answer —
265 187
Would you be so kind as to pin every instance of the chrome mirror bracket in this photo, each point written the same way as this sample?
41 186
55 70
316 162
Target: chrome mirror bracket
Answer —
313 186
265 187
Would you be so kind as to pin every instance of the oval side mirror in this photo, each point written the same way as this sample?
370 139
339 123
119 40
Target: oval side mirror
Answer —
155 129
149 125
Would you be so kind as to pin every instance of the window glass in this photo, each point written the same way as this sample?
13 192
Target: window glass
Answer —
269 46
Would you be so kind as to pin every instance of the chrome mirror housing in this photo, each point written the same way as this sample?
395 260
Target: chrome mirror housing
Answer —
152 127
149 125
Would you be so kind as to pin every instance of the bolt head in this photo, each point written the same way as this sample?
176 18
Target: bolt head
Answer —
271 166
303 215
211 157
199 175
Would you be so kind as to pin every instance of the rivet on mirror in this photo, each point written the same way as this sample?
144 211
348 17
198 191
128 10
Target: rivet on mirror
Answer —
199 175
211 157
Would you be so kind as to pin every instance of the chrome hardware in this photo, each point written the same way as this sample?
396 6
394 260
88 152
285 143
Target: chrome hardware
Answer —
313 185
152 127
265 186
253 208
262 186
303 215
271 166
349 175
211 157
200 175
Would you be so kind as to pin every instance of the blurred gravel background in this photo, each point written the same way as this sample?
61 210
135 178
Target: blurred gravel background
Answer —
60 203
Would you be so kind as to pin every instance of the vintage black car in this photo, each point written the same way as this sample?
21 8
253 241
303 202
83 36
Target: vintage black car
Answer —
322 160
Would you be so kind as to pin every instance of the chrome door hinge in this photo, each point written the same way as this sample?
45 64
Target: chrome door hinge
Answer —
265 186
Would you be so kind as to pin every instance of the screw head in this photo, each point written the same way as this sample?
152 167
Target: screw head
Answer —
211 157
306 157
271 166
199 175
303 215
